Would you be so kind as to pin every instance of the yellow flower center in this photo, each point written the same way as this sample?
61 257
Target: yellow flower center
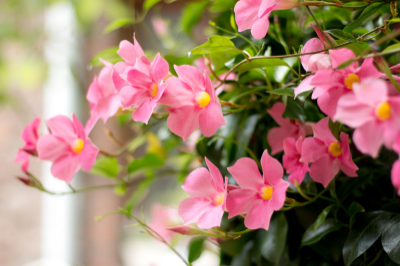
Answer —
351 78
219 199
153 90
203 99
266 192
77 146
383 111
335 149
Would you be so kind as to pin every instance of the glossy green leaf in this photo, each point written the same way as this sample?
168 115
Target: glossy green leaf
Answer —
215 44
106 166
366 230
312 236
273 243
342 35
196 247
150 160
233 22
294 110
392 48
191 14
243 258
286 91
116 24
355 4
260 63
322 216
149 4
354 208
391 239
368 11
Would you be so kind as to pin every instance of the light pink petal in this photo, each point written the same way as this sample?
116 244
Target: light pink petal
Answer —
312 150
30 135
200 184
62 127
240 201
212 218
328 101
259 216
87 157
319 62
311 45
304 86
342 55
395 176
65 167
93 94
272 169
323 36
371 91
324 170
395 69
276 112
139 80
159 69
130 96
105 81
178 94
209 87
23 157
368 70
51 147
278 195
108 106
215 175
80 130
325 80
246 173
289 147
183 121
276 137
211 118
266 7
91 123
260 27
350 112
119 69
323 132
299 174
144 111
246 13
191 76
368 138
191 209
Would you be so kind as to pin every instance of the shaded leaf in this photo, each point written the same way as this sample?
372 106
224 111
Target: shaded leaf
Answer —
294 110
150 160
354 208
274 240
196 246
355 4
342 35
322 216
191 14
312 236
106 166
286 91
116 24
391 239
369 11
243 258
149 4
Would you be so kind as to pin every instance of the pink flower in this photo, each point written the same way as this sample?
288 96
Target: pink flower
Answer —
395 173
254 14
291 160
193 103
327 154
30 136
207 192
373 113
68 147
133 56
103 96
288 128
259 196
162 218
315 62
145 89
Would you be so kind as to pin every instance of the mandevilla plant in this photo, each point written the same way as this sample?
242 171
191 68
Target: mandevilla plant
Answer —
297 121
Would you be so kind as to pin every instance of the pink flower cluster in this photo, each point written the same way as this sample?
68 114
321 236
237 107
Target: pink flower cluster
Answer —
257 197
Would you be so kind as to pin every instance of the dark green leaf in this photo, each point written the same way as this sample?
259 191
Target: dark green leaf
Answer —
215 44
244 136
149 4
243 258
342 35
355 4
260 63
366 230
196 246
391 239
106 166
294 110
369 11
303 96
150 160
274 240
354 208
322 216
286 91
312 236
191 14
116 24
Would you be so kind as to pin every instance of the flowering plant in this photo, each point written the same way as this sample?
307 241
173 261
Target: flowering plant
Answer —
296 124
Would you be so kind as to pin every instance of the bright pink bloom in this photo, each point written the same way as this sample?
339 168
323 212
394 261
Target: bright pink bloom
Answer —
193 103
288 128
254 14
315 62
373 113
207 192
162 218
327 154
144 89
330 85
291 160
133 56
23 157
30 136
395 173
325 38
259 196
68 147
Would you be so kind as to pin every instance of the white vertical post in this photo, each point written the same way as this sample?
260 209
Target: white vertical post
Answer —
60 216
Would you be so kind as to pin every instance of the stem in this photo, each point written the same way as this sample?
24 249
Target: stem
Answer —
317 3
301 191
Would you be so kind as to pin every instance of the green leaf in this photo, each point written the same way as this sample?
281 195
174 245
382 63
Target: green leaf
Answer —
342 35
303 96
116 24
322 216
355 4
286 91
106 166
243 258
391 239
109 55
312 236
150 160
191 14
140 192
294 110
369 11
215 44
354 208
196 246
393 48
260 63
274 241
233 22
149 4
364 233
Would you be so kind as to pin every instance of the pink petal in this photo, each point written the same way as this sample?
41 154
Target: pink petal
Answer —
87 158
312 150
368 138
211 218
395 176
200 184
276 112
328 101
159 69
246 173
130 96
178 94
215 175
62 127
108 106
144 111
278 195
80 130
323 36
51 147
342 55
211 118
272 169
24 157
304 86
323 132
371 91
191 209
260 27
324 170
209 87
139 80
368 70
65 167
259 216
191 76
246 13
350 112
311 45
319 62
183 121
240 201
299 174
276 137
30 135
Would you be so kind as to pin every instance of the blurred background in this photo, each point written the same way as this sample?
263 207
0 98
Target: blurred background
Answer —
49 53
